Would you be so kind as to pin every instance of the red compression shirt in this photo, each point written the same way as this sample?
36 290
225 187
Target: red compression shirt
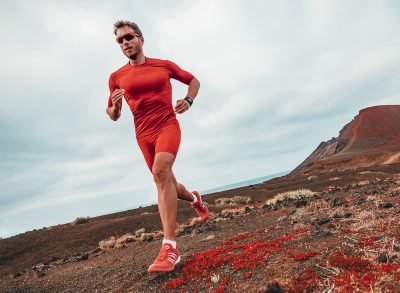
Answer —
148 92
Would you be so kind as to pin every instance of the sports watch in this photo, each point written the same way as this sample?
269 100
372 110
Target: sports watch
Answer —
189 100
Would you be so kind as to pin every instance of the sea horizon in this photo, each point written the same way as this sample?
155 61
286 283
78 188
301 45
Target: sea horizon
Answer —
239 184
243 183
203 192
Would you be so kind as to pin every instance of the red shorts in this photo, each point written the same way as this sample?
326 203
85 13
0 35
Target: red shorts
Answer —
167 139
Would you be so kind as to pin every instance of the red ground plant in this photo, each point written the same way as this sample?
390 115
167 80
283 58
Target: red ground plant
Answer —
233 256
355 274
241 255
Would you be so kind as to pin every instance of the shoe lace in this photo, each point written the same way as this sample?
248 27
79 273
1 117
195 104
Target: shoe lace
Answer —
199 206
162 255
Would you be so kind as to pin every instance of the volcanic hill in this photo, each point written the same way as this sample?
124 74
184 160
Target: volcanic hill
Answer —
371 138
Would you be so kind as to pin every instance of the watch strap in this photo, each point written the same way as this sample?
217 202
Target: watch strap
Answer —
189 100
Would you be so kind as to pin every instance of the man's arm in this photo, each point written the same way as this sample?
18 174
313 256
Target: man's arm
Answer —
187 78
113 112
193 88
115 103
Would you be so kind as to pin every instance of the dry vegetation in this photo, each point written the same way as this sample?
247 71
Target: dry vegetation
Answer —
342 239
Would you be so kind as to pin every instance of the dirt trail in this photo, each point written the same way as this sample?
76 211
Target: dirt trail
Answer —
392 159
354 134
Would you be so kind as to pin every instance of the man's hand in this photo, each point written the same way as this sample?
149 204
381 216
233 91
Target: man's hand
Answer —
116 98
181 106
115 110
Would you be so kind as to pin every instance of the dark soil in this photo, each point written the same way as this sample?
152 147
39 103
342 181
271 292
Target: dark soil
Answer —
345 237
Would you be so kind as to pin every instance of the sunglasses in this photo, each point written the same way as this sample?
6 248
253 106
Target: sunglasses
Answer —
128 37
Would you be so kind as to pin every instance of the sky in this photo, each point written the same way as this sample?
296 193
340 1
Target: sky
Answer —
277 78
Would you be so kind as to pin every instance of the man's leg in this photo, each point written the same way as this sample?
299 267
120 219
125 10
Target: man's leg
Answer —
167 206
183 193
167 193
166 147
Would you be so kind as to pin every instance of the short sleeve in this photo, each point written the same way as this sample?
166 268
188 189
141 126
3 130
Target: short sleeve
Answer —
178 73
112 86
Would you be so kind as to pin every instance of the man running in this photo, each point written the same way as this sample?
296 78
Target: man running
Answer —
145 84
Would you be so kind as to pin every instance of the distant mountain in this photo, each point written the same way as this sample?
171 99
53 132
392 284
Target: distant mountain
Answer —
371 138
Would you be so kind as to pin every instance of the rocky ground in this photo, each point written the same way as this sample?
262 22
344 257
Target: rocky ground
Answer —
342 234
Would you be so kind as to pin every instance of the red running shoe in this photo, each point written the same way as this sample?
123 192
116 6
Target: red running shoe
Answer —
201 209
166 259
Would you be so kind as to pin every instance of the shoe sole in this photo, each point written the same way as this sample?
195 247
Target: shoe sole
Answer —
165 270
203 218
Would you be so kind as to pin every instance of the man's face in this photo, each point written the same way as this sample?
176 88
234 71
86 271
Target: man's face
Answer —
130 48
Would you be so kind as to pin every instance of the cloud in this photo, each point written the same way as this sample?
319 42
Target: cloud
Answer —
277 78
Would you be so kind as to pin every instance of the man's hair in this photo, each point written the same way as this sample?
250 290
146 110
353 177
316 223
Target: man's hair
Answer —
131 24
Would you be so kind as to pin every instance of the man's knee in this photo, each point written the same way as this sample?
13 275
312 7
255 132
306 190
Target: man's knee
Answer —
161 173
162 167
